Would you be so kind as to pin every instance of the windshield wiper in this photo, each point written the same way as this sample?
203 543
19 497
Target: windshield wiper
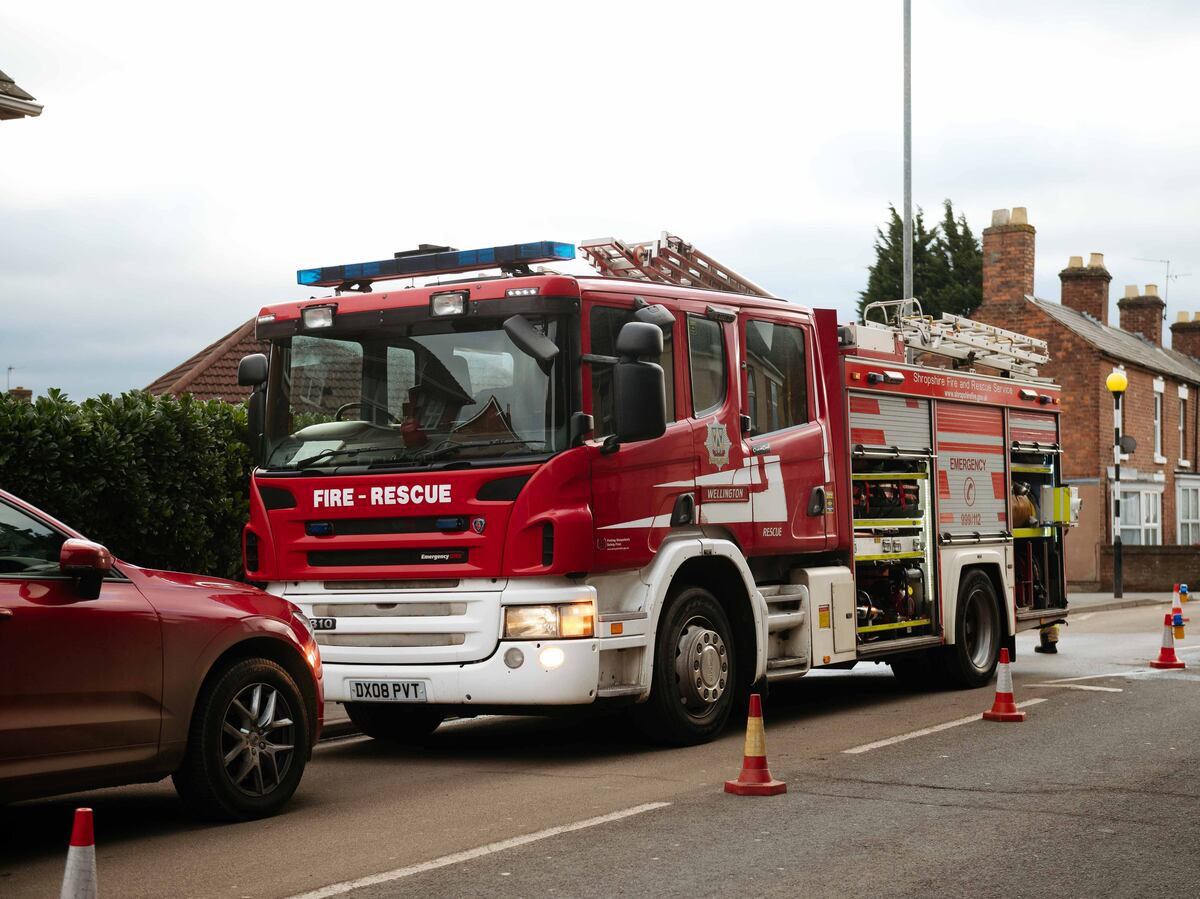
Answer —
447 447
345 451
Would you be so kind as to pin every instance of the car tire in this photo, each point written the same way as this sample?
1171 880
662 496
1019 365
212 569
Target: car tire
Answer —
971 661
394 723
695 672
248 743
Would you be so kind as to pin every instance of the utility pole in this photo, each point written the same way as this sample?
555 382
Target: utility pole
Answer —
8 378
908 223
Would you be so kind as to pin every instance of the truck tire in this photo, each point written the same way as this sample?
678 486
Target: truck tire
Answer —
695 672
971 661
394 723
248 743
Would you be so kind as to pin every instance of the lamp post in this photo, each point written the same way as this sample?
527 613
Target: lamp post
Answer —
1116 383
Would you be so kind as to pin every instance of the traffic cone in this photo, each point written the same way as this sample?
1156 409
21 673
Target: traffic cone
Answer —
755 779
1181 596
1004 709
1183 593
79 878
1166 656
1177 618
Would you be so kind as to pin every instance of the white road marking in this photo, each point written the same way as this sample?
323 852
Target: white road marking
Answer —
1131 672
867 747
338 889
1080 687
1084 617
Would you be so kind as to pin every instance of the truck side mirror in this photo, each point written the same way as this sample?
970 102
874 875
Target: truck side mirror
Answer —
252 372
640 385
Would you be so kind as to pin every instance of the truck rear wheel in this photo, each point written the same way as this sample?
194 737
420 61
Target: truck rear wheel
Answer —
695 672
971 661
394 723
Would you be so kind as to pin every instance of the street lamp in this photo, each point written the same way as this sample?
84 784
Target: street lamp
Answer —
1116 383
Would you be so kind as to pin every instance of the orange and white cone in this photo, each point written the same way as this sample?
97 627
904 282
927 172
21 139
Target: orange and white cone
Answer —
79 879
1166 656
755 779
1003 708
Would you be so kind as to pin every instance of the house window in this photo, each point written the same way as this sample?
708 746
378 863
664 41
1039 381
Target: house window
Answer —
1188 503
1141 517
1158 430
1183 459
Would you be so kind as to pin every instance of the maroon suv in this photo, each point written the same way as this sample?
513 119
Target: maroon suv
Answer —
113 674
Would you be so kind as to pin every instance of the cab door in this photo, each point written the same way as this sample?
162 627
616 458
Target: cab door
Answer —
725 480
636 488
792 499
81 687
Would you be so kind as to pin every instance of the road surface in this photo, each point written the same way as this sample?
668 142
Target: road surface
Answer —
1095 794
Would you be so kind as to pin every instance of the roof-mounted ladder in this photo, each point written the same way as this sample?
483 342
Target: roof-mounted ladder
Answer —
961 338
668 260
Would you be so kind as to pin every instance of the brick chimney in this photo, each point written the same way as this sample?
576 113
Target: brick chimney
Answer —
1185 335
21 394
1142 313
1008 259
1085 287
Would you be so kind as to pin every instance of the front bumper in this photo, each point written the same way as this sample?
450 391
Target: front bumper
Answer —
490 681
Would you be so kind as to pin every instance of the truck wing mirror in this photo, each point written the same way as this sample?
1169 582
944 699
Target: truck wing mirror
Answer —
252 370
656 314
640 386
530 340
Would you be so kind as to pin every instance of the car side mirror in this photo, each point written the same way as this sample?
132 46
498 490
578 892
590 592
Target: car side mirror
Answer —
640 385
86 561
252 370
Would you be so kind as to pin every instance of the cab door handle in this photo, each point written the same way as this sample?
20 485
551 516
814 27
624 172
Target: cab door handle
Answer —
5 614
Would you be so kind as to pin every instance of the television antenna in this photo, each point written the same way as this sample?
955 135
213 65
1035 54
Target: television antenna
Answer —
1167 278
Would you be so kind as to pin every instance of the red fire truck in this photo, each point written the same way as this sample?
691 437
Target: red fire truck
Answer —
659 487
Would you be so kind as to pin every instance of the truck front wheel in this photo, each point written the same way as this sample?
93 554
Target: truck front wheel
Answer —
394 723
695 672
971 661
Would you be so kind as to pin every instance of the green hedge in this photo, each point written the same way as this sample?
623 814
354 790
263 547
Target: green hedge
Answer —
161 481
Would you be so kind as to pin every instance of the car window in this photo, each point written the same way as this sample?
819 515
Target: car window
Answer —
27 546
776 379
605 322
706 361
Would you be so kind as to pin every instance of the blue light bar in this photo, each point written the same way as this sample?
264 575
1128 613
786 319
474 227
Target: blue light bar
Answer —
440 263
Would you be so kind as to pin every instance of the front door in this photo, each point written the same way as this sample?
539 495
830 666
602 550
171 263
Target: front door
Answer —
80 680
636 488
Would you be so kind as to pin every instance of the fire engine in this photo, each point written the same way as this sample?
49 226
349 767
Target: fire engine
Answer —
659 487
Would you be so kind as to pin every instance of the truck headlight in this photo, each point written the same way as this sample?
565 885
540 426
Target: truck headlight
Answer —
530 622
576 619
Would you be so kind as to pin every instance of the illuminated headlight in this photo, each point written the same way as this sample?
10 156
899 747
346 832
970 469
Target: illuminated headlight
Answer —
453 302
577 619
552 657
318 316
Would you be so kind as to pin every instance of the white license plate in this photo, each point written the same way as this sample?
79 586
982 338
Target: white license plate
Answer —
387 691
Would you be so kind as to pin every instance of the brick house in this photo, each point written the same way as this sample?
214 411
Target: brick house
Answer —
1160 484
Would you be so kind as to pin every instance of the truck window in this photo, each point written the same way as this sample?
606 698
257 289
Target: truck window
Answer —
606 321
776 376
706 362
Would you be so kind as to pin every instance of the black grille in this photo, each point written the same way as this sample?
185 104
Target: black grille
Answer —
276 497
354 527
502 488
346 558
547 544
251 551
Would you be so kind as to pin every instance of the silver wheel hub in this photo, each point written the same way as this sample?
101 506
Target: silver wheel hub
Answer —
257 739
701 666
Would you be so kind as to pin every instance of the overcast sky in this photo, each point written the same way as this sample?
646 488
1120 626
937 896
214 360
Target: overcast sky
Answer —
187 164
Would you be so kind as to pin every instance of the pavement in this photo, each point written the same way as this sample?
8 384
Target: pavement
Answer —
1093 795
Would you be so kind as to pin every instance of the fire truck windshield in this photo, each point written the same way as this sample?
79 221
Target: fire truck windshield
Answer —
410 395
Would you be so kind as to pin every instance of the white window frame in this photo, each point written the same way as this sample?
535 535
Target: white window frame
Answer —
1150 496
1183 404
1159 389
1189 523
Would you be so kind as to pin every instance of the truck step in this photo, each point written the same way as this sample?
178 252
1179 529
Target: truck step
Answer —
782 621
787 662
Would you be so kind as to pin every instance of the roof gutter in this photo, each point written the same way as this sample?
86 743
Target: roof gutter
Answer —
18 107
